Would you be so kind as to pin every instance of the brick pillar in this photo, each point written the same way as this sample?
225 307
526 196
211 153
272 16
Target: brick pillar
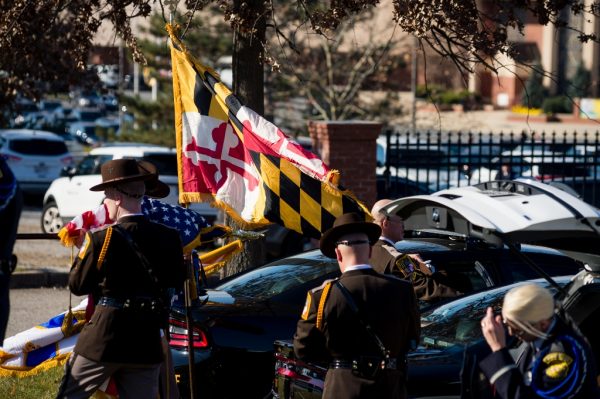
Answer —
349 147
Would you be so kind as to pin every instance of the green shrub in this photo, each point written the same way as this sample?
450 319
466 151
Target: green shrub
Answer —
556 105
580 85
440 95
534 94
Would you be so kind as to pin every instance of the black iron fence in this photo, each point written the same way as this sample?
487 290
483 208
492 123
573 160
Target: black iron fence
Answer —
425 162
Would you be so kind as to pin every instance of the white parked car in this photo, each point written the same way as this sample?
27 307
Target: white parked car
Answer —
69 196
35 157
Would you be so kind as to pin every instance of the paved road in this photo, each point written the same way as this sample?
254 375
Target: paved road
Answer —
29 307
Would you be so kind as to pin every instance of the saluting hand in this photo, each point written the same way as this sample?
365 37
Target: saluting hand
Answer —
493 330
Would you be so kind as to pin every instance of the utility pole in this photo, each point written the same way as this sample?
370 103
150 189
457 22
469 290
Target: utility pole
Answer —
120 83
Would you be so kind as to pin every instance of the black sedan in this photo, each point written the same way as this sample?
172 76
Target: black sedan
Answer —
445 363
476 233
234 331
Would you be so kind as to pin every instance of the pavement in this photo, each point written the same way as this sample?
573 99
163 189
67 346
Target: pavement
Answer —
428 118
41 262
40 277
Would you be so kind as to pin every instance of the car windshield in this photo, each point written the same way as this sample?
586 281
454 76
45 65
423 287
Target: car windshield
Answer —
38 147
90 165
277 277
165 163
89 130
457 322
89 116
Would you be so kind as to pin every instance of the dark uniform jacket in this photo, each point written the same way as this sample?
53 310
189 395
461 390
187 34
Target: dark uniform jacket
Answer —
563 367
107 266
428 286
329 330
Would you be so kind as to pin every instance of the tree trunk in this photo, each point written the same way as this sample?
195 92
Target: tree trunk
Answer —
248 85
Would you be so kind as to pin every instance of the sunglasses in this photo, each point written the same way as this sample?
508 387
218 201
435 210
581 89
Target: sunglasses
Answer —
517 332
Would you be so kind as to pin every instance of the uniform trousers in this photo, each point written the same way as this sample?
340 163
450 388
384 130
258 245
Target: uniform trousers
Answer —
84 376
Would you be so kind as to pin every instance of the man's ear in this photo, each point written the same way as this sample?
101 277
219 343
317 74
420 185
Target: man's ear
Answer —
370 251
338 255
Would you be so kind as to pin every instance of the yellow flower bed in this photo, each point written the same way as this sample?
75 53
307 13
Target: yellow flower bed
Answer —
522 110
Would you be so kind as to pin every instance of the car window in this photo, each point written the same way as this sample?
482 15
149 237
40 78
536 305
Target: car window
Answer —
467 272
470 275
165 163
89 116
280 276
26 107
416 156
50 105
458 322
90 165
554 265
38 147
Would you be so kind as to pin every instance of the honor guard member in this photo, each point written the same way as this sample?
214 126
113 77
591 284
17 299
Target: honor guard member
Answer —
127 267
428 284
362 323
556 362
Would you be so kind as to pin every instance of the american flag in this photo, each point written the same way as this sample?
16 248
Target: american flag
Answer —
193 229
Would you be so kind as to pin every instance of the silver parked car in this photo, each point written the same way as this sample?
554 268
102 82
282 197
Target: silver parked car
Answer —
35 157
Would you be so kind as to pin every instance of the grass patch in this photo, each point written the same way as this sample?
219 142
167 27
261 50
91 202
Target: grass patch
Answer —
40 386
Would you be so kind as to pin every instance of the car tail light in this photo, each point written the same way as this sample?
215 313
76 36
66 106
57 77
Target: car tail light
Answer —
67 160
178 335
9 157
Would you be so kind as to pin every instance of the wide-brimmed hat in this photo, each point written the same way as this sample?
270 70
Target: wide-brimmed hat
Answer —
156 189
347 223
119 171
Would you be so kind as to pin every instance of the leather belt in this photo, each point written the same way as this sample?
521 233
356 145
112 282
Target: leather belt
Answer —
390 364
139 303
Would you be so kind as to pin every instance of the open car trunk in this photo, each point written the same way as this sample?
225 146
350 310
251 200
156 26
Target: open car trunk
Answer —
507 212
511 213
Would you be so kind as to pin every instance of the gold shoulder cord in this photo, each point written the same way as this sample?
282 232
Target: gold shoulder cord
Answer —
104 247
324 296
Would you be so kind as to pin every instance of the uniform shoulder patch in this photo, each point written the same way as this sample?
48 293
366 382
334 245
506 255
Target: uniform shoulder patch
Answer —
306 310
84 246
406 264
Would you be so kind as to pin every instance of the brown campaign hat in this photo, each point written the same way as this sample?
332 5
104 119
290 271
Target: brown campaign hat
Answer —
119 171
346 224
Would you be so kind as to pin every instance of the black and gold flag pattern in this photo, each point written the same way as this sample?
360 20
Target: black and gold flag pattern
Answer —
301 202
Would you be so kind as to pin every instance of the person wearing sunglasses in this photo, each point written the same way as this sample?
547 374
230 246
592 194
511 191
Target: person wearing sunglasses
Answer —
556 360
429 285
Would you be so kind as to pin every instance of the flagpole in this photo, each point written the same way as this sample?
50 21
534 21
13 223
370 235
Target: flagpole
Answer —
188 289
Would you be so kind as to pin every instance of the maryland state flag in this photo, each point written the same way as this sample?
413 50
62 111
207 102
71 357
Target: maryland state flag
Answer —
232 157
